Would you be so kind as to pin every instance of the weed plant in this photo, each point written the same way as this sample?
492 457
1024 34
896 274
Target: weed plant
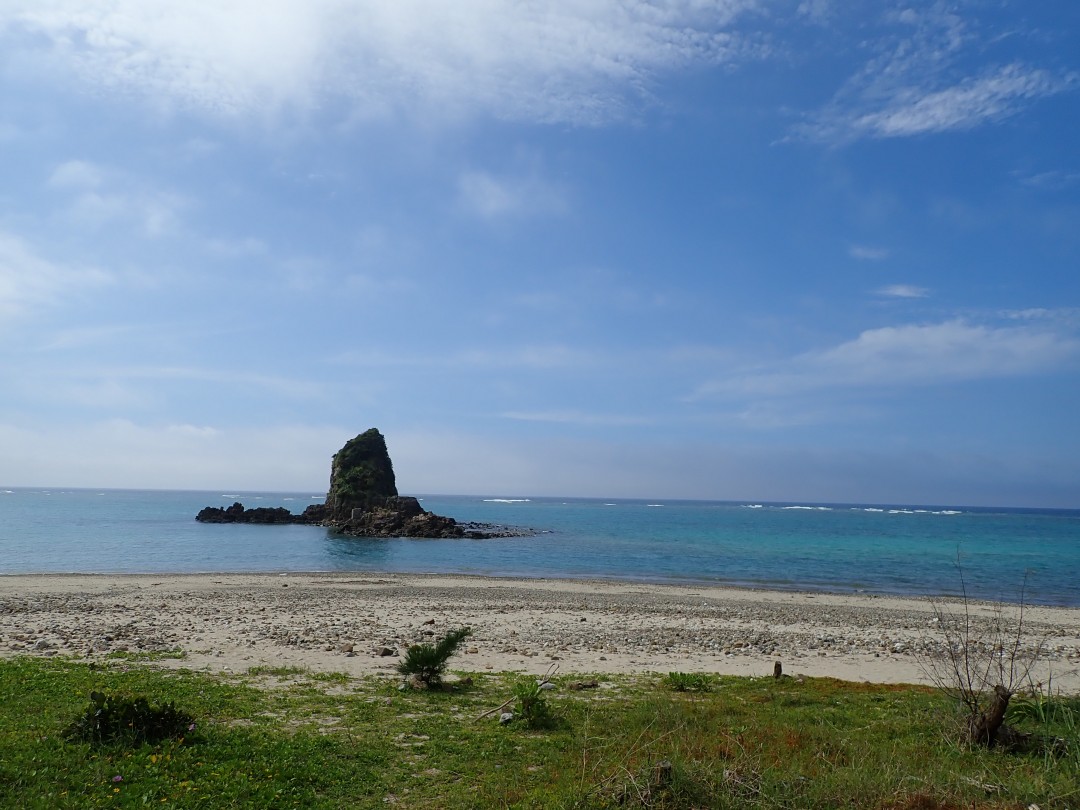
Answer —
532 707
128 720
427 662
690 681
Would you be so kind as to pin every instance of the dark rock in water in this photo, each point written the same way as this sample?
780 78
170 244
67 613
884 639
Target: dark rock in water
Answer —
238 514
399 517
363 501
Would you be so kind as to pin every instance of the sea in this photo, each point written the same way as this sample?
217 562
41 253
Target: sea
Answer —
1000 554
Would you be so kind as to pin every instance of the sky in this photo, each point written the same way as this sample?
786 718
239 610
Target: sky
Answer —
794 250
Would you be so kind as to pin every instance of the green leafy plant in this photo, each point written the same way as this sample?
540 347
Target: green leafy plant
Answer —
1055 718
427 662
689 681
112 718
532 706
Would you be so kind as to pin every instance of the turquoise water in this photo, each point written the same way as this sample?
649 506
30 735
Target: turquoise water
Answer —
876 549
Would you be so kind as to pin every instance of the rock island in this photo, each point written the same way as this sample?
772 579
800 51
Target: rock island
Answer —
363 501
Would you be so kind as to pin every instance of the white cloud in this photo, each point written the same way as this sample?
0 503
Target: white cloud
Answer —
557 61
912 355
101 196
237 248
28 281
76 174
565 417
490 197
963 106
917 81
867 253
903 291
1055 180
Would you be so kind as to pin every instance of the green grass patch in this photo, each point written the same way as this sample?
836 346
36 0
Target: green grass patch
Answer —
627 742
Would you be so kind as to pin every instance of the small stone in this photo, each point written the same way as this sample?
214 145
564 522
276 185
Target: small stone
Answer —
505 718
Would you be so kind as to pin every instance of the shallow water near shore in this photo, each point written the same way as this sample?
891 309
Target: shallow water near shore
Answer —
1005 554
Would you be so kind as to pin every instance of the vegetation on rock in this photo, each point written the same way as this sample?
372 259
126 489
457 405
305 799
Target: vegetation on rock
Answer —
361 476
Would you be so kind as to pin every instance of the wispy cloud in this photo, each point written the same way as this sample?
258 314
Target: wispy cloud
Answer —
557 61
490 196
29 281
964 106
78 174
903 291
918 81
572 417
868 253
1054 180
97 196
912 355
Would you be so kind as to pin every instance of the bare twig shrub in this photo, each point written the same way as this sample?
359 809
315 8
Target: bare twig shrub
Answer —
982 662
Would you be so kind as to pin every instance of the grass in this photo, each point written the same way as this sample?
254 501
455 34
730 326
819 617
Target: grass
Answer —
328 741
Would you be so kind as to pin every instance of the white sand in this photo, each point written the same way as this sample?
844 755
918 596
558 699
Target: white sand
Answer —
340 623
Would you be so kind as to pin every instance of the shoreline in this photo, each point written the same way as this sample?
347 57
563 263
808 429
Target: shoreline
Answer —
681 583
342 621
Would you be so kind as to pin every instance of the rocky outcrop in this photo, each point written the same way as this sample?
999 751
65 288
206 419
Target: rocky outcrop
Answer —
361 477
399 517
238 514
362 501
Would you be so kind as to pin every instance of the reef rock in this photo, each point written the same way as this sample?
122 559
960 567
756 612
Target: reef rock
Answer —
238 514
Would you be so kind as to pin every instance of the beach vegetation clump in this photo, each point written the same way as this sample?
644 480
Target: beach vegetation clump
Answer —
427 662
532 707
690 681
1055 720
131 720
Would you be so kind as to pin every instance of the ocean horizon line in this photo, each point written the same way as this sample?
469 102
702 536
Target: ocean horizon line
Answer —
511 498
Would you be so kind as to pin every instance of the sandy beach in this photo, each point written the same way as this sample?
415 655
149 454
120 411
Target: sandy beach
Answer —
359 623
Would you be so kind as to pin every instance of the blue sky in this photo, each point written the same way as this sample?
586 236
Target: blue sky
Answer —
742 249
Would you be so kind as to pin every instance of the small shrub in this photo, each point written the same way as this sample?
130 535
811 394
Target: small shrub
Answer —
984 663
532 706
690 681
112 718
427 662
